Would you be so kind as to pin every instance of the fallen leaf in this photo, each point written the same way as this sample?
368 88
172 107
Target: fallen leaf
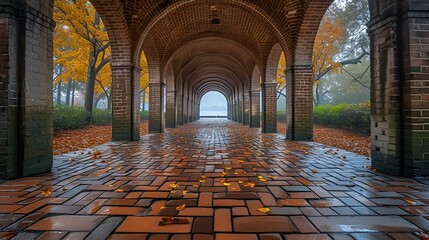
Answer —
272 177
249 184
170 220
181 207
174 185
264 210
314 171
202 180
119 190
46 192
227 184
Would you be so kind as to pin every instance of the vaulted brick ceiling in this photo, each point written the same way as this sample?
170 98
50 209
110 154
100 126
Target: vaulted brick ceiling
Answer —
243 31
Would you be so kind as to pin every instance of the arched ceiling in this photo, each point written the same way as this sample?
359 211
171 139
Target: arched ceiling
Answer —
220 40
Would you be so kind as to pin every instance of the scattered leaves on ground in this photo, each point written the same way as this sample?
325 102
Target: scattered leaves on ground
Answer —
351 140
78 139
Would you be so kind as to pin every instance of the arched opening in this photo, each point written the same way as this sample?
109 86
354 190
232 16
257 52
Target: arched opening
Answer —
342 80
213 105
82 83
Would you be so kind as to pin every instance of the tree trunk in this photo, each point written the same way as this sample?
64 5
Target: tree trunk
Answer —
144 100
72 98
109 102
69 88
59 92
89 90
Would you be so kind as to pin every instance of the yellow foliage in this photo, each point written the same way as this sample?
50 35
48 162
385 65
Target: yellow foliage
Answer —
331 31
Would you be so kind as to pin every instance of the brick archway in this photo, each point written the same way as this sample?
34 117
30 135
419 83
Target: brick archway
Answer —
174 34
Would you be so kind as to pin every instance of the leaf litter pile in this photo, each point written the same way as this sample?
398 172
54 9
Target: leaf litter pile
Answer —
78 139
353 141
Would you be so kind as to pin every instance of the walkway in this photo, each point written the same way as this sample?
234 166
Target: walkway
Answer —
227 180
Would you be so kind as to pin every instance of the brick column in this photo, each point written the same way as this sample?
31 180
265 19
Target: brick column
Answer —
300 103
399 88
246 109
255 106
170 113
269 108
125 103
179 106
26 104
156 104
240 110
185 109
191 110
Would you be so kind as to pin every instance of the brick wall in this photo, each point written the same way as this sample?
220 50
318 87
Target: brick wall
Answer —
299 103
255 105
269 107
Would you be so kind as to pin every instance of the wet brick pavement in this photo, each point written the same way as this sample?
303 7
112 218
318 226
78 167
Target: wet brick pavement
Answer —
223 177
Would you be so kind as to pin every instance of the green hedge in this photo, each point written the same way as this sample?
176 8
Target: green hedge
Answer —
144 115
344 115
69 117
101 117
281 116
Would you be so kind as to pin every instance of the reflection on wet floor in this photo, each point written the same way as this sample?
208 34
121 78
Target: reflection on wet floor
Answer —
226 180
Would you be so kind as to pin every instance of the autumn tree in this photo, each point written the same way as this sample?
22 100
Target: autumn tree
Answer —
342 40
82 47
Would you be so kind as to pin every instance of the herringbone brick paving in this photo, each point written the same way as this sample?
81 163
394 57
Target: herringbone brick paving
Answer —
228 176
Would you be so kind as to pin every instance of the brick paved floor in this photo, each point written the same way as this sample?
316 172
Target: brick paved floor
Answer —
228 176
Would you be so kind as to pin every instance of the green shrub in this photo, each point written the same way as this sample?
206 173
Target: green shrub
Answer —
101 117
281 116
69 117
344 115
144 115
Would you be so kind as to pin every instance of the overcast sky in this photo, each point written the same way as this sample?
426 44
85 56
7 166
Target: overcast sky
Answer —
213 101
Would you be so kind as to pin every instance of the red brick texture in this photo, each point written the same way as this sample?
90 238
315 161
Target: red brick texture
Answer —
400 86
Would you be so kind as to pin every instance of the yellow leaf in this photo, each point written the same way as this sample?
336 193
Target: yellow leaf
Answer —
272 177
228 168
196 186
180 208
162 207
227 184
184 192
173 185
249 184
119 190
240 182
46 192
264 210
202 180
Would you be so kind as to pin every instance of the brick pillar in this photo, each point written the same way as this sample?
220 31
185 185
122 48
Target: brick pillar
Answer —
399 89
246 109
170 113
125 103
255 106
191 110
300 103
185 109
179 106
198 111
234 111
240 110
156 104
26 104
269 108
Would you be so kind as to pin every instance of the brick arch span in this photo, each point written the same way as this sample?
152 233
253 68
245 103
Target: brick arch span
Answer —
246 21
214 46
112 14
